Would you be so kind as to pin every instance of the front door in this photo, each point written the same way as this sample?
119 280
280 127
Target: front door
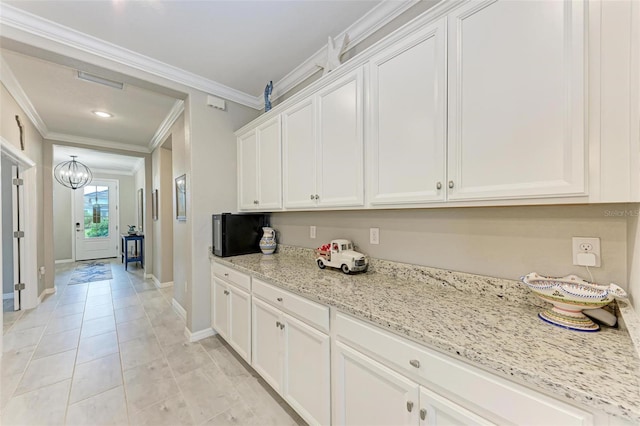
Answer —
96 220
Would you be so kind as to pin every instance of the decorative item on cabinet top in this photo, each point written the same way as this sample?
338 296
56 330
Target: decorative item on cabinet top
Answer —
340 254
267 96
569 296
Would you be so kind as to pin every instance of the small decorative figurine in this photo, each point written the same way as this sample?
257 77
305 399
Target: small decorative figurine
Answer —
267 96
268 240
333 55
340 254
132 230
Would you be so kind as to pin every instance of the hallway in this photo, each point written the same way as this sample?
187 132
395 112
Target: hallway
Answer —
114 352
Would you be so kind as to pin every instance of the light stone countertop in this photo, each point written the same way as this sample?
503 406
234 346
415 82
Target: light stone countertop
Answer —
496 330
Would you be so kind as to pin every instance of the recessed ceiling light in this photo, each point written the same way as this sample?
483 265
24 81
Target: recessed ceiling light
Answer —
103 114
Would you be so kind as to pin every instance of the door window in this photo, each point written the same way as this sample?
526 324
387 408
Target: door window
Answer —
96 211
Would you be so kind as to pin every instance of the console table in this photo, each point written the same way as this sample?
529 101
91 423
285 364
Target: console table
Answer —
138 254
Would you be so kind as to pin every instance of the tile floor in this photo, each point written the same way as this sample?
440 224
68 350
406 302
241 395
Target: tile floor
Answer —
114 353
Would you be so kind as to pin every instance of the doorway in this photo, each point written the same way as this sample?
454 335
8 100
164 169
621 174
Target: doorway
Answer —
95 220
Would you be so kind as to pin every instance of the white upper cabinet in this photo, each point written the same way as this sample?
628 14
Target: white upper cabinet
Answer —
516 100
407 143
260 168
323 147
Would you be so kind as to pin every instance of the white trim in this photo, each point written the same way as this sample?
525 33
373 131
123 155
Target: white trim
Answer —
57 262
371 22
62 137
167 123
138 166
177 307
44 293
15 89
198 335
6 296
22 21
111 172
157 282
31 207
14 153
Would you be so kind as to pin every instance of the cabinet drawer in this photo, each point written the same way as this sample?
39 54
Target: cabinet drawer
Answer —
231 275
311 312
469 385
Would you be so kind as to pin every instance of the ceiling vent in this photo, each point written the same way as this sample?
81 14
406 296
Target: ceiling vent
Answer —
100 80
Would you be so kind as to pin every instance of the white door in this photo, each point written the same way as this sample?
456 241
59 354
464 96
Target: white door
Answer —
247 171
220 314
438 411
266 347
340 152
270 165
307 371
96 220
299 157
240 321
408 118
367 393
516 100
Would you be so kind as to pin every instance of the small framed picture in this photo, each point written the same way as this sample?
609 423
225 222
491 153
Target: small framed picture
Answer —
181 197
154 204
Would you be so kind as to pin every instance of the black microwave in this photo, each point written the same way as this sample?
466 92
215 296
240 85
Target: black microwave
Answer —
235 234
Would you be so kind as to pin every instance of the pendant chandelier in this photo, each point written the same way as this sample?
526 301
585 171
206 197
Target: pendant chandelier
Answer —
72 174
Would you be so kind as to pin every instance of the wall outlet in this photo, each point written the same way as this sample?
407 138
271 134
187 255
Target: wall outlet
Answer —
312 232
583 248
374 235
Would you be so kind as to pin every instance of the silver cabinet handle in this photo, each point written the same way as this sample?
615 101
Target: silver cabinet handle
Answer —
278 323
226 274
450 184
226 292
279 299
423 413
439 185
255 201
312 196
409 406
317 197
281 326
414 363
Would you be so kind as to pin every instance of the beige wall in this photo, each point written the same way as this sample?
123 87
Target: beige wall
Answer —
138 184
163 227
63 216
33 149
505 242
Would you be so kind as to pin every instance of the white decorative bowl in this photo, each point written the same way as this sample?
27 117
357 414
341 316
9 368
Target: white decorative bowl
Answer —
569 296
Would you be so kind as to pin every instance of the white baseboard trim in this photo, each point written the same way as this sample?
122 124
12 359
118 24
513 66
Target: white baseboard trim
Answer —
7 296
157 282
198 335
44 293
177 307
64 261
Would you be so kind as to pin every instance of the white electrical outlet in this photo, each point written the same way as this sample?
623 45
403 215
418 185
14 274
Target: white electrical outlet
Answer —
312 232
374 235
583 248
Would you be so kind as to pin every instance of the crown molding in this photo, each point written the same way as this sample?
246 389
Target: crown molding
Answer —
26 22
371 22
165 126
62 137
15 89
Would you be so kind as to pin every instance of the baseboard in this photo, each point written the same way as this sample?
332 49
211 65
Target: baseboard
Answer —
157 282
198 335
44 293
177 307
64 261
7 296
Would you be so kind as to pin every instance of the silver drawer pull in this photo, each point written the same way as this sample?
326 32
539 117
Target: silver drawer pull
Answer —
439 185
423 413
409 406
450 184
279 299
414 363
226 274
278 324
226 292
281 326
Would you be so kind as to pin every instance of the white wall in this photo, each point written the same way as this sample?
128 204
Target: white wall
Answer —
7 228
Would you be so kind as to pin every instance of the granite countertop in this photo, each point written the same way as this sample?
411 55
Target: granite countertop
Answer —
501 334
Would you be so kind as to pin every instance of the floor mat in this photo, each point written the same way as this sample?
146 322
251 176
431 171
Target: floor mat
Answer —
90 271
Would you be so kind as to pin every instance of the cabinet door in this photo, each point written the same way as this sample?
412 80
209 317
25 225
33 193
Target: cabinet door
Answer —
266 342
340 178
220 314
408 119
240 322
270 166
516 100
439 411
366 392
307 371
299 157
247 171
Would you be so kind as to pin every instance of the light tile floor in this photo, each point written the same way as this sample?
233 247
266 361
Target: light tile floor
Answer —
114 353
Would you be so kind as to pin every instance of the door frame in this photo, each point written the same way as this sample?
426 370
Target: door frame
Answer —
72 227
26 165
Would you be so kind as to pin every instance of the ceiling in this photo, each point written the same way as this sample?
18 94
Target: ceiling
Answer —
98 161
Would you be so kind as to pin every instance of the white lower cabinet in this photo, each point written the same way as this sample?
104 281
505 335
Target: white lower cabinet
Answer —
369 393
231 316
294 359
